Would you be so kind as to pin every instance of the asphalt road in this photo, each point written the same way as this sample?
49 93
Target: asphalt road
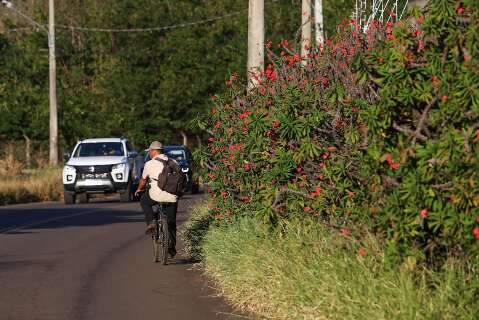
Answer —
93 261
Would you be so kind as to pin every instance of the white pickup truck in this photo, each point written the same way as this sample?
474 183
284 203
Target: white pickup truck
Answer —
103 165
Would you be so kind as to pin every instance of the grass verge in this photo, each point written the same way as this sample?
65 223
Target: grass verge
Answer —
305 272
194 231
32 186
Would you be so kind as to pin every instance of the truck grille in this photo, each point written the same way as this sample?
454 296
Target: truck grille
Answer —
93 169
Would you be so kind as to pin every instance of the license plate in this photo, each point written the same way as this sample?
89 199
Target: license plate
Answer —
94 176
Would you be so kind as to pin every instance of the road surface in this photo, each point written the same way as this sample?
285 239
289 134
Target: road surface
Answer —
93 261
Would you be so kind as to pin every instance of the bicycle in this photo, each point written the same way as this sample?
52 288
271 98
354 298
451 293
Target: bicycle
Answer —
160 236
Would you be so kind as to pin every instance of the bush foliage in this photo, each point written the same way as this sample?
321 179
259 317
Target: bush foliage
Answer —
378 132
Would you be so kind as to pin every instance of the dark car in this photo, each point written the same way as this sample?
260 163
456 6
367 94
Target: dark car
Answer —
182 155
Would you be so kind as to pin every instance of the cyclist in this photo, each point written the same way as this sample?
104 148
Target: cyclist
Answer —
155 195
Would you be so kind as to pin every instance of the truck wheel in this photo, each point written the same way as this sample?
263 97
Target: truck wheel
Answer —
69 197
83 197
126 195
195 188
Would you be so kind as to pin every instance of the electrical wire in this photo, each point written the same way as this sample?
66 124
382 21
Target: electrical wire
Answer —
138 30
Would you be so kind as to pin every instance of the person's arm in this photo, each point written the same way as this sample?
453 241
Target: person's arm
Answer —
143 180
141 186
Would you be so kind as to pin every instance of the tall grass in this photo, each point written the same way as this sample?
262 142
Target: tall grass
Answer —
31 186
306 272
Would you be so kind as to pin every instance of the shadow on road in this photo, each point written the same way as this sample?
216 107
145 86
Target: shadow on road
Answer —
16 221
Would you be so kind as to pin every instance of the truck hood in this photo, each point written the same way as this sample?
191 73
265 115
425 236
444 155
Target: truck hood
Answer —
96 161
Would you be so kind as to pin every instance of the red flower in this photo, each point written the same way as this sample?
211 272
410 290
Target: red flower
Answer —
228 83
325 156
392 164
307 209
332 149
420 19
299 169
224 194
213 111
211 139
421 45
218 124
247 167
460 10
475 233
424 213
276 124
444 98
350 195
245 115
316 192
354 109
233 77
345 232
362 252
213 98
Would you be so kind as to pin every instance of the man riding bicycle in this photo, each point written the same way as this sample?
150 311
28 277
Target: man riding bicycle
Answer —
155 195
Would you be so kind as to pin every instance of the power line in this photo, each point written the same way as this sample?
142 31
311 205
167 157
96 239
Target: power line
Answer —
138 30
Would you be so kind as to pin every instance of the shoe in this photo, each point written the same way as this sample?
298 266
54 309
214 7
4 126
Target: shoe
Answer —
172 252
150 229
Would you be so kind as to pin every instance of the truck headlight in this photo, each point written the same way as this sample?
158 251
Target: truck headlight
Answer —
119 166
69 170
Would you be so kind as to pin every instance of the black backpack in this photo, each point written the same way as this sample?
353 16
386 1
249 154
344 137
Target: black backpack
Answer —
171 178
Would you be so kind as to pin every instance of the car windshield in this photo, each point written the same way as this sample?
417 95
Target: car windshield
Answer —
177 154
99 149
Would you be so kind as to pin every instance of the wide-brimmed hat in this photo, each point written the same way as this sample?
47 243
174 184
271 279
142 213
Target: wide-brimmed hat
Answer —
155 145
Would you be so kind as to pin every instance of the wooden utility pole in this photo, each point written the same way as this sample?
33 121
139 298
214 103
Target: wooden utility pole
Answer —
305 30
319 25
255 41
53 85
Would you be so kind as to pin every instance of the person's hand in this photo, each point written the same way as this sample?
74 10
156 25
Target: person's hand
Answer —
138 192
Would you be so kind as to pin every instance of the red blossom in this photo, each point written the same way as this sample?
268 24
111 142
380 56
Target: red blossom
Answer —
299 169
392 164
307 209
444 98
350 195
224 194
345 232
460 10
475 233
211 139
316 192
420 19
247 167
213 98
245 115
332 149
421 45
424 213
218 124
228 83
362 252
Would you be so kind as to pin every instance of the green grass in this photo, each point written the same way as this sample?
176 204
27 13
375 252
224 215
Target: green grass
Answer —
31 186
194 230
306 272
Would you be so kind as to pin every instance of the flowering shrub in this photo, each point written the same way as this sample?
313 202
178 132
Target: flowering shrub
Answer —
377 131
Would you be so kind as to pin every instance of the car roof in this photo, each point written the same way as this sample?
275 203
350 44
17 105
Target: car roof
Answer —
100 140
175 146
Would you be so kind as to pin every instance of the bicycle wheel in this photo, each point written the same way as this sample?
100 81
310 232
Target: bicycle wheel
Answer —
156 245
164 239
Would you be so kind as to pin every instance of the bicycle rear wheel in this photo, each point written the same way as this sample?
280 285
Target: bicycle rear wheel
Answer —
163 239
156 245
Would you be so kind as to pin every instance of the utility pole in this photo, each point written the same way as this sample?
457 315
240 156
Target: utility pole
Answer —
305 30
53 79
53 85
319 25
255 41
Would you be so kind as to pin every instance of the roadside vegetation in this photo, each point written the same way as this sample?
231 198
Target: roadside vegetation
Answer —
348 188
20 185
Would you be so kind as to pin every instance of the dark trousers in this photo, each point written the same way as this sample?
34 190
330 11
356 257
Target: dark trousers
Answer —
169 208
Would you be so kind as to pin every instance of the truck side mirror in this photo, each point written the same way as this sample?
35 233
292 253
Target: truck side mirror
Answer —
66 156
132 154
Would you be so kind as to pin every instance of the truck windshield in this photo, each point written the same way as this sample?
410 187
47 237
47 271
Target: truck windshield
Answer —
99 149
176 154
